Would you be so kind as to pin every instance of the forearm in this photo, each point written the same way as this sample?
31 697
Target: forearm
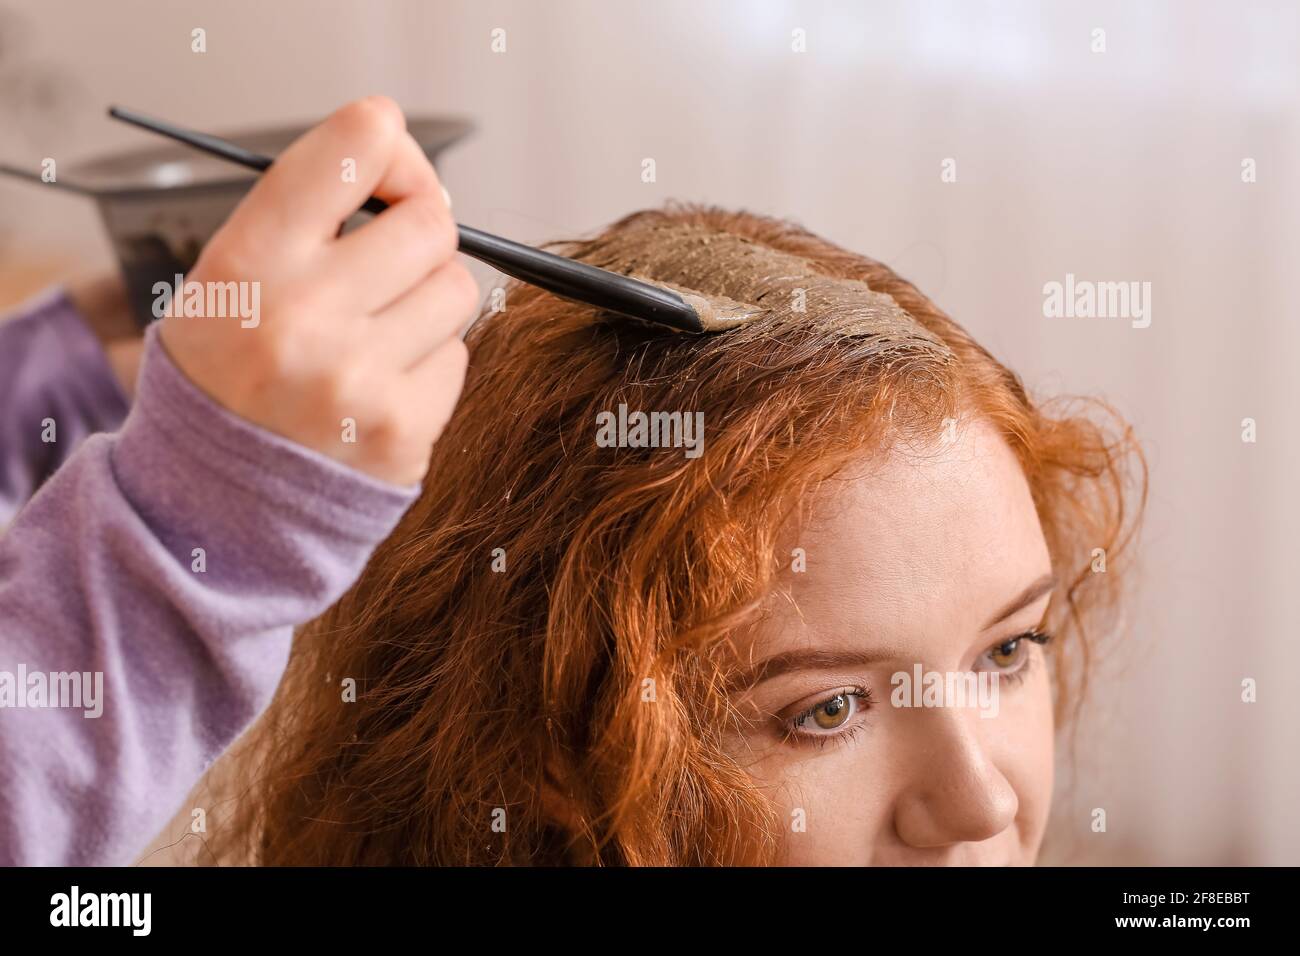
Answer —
174 558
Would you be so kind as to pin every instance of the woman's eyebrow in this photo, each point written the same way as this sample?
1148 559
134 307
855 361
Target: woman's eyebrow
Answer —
816 658
806 660
1027 597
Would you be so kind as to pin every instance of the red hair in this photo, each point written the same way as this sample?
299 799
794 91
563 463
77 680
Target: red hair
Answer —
502 714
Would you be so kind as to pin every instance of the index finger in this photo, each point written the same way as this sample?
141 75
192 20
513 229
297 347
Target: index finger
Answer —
331 170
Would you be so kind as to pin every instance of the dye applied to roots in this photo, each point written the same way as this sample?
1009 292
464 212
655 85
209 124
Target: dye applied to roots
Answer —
748 281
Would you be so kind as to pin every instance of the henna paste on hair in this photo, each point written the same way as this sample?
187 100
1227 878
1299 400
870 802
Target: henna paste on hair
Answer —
749 281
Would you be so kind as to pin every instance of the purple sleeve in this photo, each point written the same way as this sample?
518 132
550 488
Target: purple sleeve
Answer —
147 597
56 388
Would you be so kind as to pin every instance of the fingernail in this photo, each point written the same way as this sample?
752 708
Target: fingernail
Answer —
445 195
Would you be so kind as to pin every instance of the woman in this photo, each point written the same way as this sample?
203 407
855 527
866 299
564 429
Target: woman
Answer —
601 643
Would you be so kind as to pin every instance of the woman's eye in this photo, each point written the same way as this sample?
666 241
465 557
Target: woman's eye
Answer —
1007 653
1012 655
832 713
830 716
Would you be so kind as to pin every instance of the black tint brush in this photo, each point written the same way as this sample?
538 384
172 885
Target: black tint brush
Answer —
567 278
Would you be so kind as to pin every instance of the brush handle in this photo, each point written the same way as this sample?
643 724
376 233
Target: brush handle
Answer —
567 278
571 279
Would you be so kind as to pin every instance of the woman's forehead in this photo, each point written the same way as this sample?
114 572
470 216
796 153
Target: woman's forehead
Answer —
919 543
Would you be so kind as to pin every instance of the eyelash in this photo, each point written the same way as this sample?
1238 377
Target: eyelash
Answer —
866 701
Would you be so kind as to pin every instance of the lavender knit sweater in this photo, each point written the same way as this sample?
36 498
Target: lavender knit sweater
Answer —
149 588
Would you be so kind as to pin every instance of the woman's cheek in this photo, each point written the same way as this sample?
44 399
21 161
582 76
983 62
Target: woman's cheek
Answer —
827 803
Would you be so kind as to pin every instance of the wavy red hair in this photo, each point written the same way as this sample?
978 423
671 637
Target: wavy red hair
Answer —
501 715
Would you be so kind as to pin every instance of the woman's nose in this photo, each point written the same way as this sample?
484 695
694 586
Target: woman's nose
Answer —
953 792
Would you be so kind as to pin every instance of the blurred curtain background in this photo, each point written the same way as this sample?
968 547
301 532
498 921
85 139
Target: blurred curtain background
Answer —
1122 165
